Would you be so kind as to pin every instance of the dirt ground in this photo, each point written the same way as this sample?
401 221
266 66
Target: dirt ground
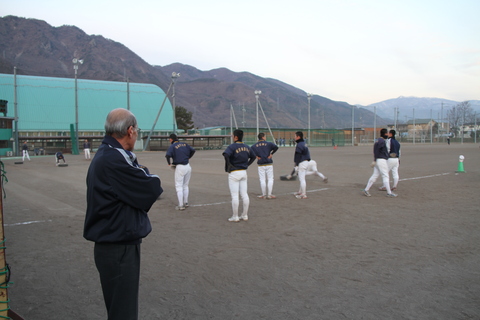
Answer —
336 255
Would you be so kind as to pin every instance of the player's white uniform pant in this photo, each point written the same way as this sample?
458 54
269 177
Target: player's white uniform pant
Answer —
25 154
381 168
182 178
265 174
306 168
87 153
237 181
393 164
57 161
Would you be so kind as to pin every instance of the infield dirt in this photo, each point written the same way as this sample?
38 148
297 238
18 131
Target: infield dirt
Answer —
335 255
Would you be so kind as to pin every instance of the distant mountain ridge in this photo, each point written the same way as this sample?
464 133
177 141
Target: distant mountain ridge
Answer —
284 105
421 108
36 48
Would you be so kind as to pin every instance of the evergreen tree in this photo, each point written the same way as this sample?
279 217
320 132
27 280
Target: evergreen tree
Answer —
184 118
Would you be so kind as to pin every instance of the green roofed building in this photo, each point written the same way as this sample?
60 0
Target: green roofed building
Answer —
46 109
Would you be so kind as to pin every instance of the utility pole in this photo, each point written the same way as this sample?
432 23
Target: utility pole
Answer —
128 94
257 93
174 77
15 106
353 125
309 97
75 67
414 126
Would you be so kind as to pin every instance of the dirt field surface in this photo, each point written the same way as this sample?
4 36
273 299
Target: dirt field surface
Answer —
335 255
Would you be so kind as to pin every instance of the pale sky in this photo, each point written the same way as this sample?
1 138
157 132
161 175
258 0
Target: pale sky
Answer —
361 52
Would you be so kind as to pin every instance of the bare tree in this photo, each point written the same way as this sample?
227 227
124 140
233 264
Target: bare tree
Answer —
460 114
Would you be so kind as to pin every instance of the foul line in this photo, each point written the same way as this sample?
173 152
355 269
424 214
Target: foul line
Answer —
322 189
225 202
431 176
28 222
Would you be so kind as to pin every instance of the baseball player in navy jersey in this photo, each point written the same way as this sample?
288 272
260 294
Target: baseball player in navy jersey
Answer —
380 154
59 156
238 156
25 151
393 147
181 153
304 165
264 151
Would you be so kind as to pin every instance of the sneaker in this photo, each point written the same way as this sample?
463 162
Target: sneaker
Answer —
382 189
262 197
297 193
233 219
179 208
394 188
244 218
187 205
325 180
366 193
301 196
271 197
392 195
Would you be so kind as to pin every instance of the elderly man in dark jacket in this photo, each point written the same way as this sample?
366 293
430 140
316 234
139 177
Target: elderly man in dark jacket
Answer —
120 192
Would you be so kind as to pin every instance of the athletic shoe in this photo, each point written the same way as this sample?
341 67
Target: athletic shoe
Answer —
301 196
394 188
244 218
297 193
187 205
392 195
262 197
366 193
325 180
382 189
233 219
271 197
179 208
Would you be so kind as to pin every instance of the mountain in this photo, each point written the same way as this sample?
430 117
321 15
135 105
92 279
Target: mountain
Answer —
424 108
36 48
216 91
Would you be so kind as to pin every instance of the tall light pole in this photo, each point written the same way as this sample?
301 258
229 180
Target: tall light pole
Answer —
15 105
243 119
128 94
257 93
414 129
475 128
75 67
174 77
431 126
309 97
395 117
353 125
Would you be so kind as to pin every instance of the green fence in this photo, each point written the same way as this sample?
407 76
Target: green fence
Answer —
286 137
